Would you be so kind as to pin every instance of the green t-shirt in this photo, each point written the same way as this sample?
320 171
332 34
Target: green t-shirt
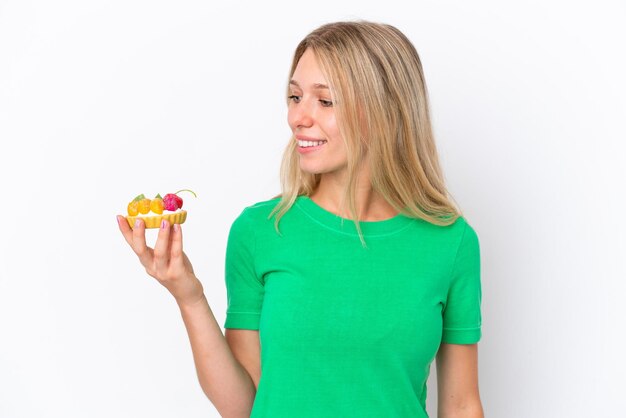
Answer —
348 331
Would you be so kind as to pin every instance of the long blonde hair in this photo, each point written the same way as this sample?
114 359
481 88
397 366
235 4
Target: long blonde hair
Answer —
381 104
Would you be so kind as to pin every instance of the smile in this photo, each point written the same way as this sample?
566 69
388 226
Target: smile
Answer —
305 147
306 144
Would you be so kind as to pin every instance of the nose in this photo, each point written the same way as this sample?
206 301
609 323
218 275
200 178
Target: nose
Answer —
300 115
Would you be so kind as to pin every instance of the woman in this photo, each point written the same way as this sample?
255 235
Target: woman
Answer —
367 271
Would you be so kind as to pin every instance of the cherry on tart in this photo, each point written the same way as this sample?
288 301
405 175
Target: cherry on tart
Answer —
153 211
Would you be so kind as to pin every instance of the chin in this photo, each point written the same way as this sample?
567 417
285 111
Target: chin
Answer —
324 168
308 171
321 170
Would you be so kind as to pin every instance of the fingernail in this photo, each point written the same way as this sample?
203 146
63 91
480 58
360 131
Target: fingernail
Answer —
137 223
117 219
176 227
163 223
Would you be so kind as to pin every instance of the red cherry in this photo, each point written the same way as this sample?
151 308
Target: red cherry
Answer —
171 202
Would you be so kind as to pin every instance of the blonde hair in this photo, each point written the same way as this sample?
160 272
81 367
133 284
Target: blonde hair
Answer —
381 103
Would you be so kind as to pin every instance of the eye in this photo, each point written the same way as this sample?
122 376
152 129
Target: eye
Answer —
326 103
294 98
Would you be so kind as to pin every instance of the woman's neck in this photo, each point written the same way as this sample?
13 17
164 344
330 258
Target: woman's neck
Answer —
370 205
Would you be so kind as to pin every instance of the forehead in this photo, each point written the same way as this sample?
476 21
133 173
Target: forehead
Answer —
308 73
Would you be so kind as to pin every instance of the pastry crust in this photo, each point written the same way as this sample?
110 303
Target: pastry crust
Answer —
155 221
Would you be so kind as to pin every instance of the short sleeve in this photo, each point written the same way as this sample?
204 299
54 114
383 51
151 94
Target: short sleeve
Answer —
244 289
461 315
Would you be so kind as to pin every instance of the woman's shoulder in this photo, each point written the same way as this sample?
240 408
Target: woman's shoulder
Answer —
463 231
258 210
457 225
264 203
458 232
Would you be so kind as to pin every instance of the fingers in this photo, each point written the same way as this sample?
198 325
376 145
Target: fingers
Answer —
139 243
177 242
125 229
161 248
169 245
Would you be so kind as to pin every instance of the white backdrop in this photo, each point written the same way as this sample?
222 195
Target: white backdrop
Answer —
103 100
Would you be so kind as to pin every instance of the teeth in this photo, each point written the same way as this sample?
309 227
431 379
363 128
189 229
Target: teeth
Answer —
310 143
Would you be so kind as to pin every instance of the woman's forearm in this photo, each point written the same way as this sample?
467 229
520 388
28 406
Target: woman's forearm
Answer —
222 378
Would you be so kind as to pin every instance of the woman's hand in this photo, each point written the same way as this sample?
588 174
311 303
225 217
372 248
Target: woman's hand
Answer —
166 262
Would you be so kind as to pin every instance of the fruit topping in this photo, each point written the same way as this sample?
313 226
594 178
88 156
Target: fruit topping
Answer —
132 209
172 201
133 206
156 205
142 205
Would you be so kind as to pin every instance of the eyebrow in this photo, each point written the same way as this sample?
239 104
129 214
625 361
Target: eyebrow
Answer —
316 86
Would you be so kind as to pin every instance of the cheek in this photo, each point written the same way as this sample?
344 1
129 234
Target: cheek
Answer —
332 129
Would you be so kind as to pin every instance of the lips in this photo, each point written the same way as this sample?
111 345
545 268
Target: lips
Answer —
306 150
308 138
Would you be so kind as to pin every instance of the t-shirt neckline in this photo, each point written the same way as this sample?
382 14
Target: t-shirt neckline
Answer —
347 226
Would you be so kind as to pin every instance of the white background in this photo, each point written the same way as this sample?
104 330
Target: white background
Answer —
103 100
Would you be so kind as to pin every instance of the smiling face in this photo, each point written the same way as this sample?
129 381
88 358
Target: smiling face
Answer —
311 117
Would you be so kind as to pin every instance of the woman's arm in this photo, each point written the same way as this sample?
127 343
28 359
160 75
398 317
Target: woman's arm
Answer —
457 381
222 377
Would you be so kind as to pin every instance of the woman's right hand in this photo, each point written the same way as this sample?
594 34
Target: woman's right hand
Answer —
166 262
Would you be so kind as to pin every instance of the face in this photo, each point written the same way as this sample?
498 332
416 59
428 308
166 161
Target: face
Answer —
311 116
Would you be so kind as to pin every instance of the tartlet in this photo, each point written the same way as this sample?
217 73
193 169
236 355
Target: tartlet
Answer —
154 221
154 211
